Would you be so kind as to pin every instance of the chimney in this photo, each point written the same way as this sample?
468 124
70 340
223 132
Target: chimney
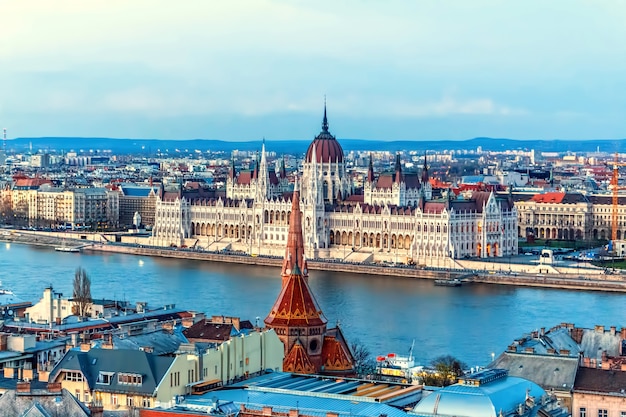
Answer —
564 352
529 350
267 411
85 347
511 348
551 351
294 413
599 329
54 387
96 409
23 387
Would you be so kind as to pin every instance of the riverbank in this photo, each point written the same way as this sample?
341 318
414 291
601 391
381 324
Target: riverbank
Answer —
578 281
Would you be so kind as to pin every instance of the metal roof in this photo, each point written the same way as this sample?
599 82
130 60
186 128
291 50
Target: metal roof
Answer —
485 400
306 405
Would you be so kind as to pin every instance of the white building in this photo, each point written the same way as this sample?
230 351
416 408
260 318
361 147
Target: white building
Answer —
395 217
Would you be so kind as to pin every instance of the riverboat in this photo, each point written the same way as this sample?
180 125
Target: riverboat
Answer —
455 282
397 368
66 249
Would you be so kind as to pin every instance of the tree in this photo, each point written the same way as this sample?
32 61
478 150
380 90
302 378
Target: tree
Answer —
363 362
82 293
446 370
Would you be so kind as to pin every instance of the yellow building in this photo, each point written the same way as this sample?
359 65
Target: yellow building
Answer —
121 379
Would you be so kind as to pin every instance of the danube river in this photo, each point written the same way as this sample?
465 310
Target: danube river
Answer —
386 314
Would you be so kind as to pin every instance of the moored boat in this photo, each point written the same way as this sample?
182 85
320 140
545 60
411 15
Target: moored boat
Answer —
455 282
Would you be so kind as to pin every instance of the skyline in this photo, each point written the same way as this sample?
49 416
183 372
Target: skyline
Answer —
240 71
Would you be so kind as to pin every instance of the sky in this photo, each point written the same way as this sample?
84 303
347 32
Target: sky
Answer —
243 70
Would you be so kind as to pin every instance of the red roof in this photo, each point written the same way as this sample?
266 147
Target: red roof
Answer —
549 198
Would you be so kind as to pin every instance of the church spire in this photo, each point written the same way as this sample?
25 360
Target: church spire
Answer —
294 253
370 171
425 170
232 174
325 121
398 169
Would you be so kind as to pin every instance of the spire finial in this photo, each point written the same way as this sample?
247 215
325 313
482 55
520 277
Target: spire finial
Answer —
325 121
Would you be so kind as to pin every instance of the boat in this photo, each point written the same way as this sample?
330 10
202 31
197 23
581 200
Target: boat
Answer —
454 282
7 298
66 249
393 367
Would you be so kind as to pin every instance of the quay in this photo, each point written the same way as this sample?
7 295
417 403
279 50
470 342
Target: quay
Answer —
494 273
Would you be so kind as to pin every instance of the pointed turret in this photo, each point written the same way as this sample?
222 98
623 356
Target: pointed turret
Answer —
294 253
398 170
283 170
296 316
231 172
325 120
425 171
255 172
370 171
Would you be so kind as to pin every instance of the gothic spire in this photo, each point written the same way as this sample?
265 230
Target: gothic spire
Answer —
283 170
398 169
325 121
232 167
425 171
294 253
370 171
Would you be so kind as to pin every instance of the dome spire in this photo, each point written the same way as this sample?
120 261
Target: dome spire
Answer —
325 121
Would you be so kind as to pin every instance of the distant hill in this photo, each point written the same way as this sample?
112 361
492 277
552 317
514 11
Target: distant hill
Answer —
150 146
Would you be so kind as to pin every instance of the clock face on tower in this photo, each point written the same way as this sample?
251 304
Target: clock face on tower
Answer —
288 271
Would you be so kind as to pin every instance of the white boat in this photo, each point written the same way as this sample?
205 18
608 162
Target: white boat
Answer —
7 297
66 249
393 366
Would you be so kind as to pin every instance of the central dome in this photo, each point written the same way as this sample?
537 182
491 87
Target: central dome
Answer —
327 149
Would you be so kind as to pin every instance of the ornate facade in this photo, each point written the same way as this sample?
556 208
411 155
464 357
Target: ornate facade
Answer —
394 219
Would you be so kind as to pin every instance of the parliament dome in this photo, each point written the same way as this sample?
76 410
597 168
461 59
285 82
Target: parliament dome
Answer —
327 149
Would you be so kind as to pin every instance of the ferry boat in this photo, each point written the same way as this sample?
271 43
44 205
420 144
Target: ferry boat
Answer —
397 368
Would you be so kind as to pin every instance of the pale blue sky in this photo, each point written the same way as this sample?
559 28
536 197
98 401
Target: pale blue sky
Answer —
242 70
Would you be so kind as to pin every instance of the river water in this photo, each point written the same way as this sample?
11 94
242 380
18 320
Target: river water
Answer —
386 314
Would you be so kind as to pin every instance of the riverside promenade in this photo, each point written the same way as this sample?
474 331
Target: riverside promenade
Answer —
480 272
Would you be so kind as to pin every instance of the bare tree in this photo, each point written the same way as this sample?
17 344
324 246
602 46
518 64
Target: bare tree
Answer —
447 369
363 363
82 293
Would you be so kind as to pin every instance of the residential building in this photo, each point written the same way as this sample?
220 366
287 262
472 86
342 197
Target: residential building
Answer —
29 400
557 359
599 392
121 379
137 198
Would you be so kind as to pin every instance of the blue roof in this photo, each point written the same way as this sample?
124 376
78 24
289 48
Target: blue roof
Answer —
310 405
137 190
472 179
480 401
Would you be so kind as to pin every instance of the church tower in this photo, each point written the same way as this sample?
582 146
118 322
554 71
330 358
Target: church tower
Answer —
297 317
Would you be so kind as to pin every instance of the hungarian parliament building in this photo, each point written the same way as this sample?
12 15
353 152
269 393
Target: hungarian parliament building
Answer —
394 217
